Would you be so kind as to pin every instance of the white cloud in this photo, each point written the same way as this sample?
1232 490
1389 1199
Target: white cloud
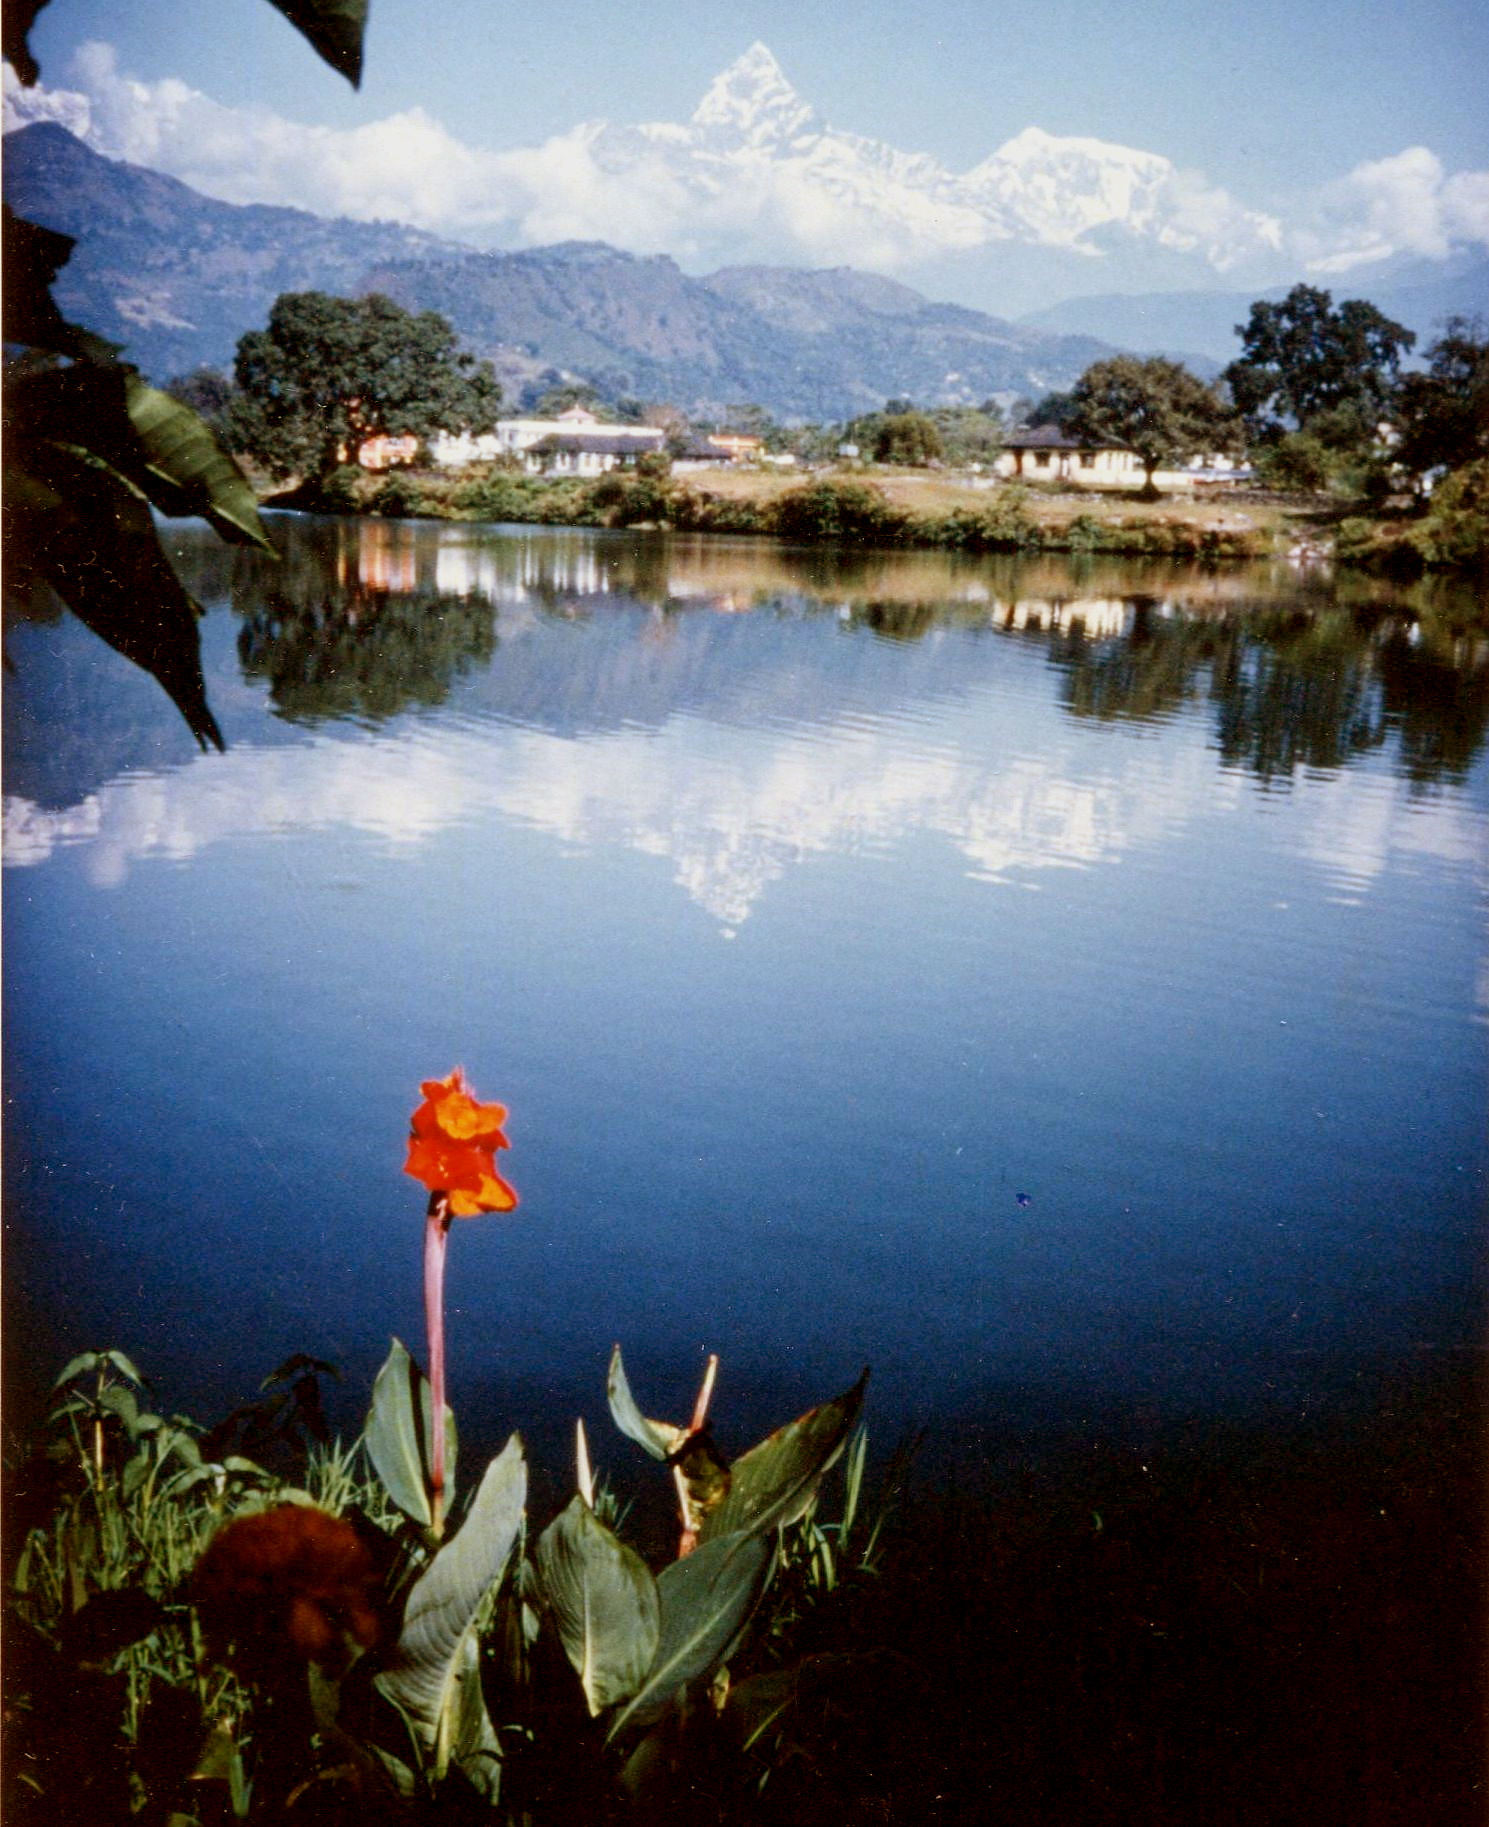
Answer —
785 189
1406 204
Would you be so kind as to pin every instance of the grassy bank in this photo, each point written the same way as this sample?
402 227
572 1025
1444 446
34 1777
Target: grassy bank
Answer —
935 511
911 509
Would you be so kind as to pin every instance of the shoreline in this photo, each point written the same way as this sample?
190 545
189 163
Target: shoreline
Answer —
913 510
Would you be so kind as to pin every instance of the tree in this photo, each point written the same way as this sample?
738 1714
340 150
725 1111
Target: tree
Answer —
1155 406
1057 409
907 438
969 434
751 420
207 391
329 373
1443 413
560 398
1305 356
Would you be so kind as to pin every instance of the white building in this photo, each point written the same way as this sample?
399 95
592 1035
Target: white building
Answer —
515 437
1046 454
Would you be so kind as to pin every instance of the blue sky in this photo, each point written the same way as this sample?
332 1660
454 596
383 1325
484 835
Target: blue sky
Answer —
1270 107
1277 90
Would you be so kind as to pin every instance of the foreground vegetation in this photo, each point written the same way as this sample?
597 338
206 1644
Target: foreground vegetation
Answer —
1226 1629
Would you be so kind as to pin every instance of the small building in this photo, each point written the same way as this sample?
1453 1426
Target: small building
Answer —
702 453
515 437
1044 453
740 445
582 453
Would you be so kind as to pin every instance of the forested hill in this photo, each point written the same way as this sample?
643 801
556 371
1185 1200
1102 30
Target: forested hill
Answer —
178 277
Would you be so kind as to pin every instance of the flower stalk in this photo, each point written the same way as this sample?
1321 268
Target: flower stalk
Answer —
436 1242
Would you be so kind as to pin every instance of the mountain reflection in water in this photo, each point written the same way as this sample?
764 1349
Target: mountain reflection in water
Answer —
1149 895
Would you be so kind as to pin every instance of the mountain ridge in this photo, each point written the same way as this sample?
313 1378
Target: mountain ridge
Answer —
178 277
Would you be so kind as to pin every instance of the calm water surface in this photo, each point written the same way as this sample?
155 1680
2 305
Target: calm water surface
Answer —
1065 992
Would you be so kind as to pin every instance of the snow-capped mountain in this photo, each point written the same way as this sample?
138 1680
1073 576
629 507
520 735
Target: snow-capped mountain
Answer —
756 176
752 137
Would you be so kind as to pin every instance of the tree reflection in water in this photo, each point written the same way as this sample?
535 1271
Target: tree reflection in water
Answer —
364 619
1300 688
361 652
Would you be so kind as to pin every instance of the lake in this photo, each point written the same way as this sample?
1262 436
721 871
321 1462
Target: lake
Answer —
1062 989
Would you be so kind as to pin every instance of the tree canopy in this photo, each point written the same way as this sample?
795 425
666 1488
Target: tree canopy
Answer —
329 373
1305 356
1443 412
1157 407
909 438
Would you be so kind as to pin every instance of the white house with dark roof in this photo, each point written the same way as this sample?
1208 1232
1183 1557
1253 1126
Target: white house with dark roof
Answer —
582 453
1044 453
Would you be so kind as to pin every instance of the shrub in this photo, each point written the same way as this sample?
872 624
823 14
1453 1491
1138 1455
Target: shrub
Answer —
829 509
1299 461
1455 530
396 496
340 493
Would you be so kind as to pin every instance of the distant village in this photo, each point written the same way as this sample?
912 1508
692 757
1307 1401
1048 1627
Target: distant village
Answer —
577 443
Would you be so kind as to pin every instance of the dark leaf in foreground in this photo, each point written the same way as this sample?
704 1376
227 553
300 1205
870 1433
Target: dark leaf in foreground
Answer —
334 28
78 526
775 1482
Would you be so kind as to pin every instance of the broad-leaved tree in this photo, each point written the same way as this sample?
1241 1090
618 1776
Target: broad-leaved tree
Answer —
1305 356
329 373
1156 407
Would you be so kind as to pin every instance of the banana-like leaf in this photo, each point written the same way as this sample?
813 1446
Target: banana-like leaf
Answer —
334 28
79 525
604 1601
17 17
399 1432
186 470
705 1600
159 446
660 1438
774 1483
74 1367
435 1679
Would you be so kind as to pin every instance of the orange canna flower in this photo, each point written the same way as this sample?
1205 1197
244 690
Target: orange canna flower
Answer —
452 1148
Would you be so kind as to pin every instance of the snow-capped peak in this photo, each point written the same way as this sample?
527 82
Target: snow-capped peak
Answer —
753 100
1035 146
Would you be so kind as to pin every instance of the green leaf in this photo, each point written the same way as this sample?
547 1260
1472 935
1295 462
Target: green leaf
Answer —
77 524
85 1360
660 1438
399 1432
125 1367
186 470
437 1657
604 1602
121 1402
334 27
774 1483
705 1601
160 447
